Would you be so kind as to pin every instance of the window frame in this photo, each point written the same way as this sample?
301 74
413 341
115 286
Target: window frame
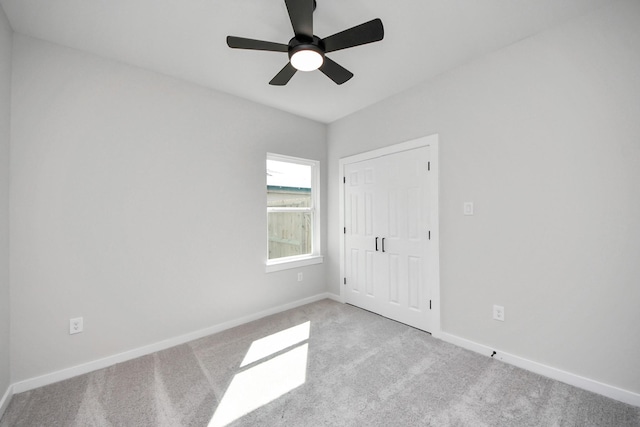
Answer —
315 257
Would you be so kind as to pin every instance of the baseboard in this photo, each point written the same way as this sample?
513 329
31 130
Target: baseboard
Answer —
63 374
584 383
4 402
334 297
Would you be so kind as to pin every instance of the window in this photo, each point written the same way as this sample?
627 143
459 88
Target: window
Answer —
293 219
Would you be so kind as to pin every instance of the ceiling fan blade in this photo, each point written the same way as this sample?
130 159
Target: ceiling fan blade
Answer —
301 15
242 43
335 71
368 32
283 77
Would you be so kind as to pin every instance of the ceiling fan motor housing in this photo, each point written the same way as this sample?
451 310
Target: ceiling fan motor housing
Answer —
306 53
296 45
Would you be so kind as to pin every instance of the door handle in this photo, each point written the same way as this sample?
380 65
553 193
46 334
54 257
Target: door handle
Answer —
383 244
376 244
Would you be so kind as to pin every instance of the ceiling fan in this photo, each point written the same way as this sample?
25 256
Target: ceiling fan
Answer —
306 50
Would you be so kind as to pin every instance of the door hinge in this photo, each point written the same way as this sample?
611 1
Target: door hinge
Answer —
345 230
429 234
344 179
345 280
429 304
428 166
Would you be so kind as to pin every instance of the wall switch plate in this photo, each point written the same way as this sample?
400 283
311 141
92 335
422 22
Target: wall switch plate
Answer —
468 208
498 312
75 325
299 277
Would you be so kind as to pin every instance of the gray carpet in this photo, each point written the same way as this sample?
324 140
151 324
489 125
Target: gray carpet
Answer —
346 367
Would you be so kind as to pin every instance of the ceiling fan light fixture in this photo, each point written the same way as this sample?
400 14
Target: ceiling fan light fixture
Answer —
307 59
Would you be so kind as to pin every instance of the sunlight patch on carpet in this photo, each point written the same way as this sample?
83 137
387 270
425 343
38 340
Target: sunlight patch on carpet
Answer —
266 381
274 343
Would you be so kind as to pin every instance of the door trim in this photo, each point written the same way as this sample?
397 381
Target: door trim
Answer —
430 141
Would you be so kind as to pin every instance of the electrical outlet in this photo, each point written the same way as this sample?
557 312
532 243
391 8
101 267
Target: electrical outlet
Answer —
498 312
75 325
299 277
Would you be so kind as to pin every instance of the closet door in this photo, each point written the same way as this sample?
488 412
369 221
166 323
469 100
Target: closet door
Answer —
366 269
387 236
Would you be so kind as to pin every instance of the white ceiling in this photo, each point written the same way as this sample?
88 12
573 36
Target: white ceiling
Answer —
187 39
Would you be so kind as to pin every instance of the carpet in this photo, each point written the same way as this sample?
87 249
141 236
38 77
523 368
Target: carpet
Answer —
323 364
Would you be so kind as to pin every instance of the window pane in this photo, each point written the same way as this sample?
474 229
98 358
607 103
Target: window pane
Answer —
288 197
289 234
288 184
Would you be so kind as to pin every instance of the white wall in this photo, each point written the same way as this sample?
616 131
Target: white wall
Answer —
5 115
544 137
138 202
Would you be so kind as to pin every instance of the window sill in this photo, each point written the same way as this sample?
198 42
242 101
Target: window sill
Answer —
285 264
